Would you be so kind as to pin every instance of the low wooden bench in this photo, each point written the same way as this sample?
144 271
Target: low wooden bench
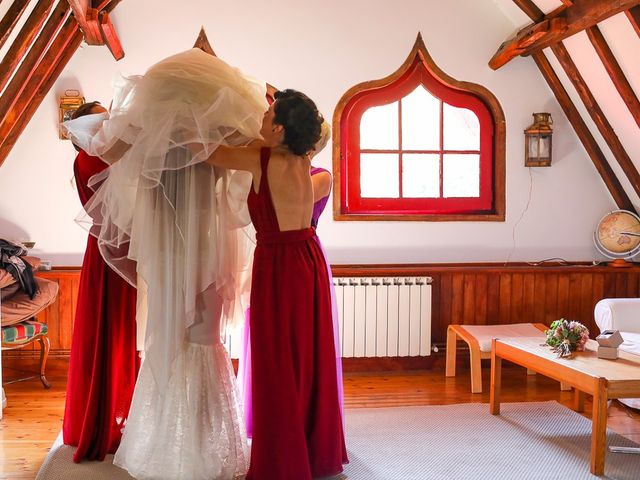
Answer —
479 338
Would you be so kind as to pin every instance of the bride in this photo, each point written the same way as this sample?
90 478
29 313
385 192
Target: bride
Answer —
168 221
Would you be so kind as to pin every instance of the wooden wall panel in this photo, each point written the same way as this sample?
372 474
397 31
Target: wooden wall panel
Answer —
484 294
476 294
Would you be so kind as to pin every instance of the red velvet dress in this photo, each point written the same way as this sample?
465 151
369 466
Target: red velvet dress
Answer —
104 361
297 425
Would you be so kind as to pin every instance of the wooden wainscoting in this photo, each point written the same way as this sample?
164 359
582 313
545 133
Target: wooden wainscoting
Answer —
485 294
474 294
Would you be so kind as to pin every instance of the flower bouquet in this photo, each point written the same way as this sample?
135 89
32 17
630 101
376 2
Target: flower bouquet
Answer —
566 336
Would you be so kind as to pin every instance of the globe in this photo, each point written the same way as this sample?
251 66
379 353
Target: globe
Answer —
617 236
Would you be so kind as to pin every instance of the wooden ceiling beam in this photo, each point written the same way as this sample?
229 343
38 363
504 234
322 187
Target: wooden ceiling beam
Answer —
93 19
557 26
26 69
23 41
60 51
110 37
107 5
634 17
531 9
10 19
597 115
614 70
87 18
588 141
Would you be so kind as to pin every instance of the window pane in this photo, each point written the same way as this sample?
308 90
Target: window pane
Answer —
461 175
379 128
420 121
461 129
420 175
379 175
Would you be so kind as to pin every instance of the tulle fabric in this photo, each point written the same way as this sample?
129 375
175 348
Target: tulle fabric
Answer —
159 211
166 220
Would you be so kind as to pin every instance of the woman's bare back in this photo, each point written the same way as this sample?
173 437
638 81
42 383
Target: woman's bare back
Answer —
291 189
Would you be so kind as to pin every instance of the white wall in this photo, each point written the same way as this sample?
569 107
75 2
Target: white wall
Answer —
324 48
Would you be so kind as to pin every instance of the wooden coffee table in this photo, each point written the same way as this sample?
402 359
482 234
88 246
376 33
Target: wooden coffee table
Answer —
604 379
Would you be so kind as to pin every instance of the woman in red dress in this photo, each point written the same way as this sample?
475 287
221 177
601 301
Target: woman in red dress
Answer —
104 361
297 426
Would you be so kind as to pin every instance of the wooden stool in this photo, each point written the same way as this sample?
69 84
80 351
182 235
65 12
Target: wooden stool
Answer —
478 338
22 334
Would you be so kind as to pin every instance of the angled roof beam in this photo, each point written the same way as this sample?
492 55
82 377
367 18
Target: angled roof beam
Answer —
103 4
634 17
590 144
597 115
612 67
557 26
531 9
26 69
60 50
23 41
11 18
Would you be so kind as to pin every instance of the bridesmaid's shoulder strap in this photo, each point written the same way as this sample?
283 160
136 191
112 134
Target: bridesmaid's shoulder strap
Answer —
265 154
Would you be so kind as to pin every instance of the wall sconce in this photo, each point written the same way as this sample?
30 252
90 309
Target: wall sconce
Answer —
69 103
537 141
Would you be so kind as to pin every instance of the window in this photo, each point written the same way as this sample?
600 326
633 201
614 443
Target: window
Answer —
419 145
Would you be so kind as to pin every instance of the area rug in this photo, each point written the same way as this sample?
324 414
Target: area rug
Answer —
541 440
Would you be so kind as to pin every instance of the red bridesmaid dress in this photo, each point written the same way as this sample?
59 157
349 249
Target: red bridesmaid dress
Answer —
297 425
104 362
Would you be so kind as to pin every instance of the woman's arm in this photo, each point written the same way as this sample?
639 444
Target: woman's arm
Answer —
236 158
321 185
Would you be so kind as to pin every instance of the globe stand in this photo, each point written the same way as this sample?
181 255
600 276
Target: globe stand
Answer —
617 237
620 263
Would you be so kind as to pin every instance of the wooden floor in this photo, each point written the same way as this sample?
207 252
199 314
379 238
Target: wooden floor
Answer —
33 416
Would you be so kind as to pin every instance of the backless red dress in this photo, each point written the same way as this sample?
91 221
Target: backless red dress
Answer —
297 425
104 361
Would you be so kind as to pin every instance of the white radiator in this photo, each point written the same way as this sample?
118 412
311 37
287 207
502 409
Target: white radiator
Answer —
384 316
378 317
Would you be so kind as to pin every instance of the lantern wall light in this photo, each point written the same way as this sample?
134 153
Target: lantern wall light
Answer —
537 141
69 103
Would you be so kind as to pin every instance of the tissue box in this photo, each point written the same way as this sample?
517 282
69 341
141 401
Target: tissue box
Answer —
608 353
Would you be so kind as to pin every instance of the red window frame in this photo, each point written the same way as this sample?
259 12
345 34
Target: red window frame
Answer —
419 69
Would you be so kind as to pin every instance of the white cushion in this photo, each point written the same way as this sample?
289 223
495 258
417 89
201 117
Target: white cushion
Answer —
618 314
484 334
631 342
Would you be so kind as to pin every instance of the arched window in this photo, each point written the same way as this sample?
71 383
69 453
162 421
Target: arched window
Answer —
419 145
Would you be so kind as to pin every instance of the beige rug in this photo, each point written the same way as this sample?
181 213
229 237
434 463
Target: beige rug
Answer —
534 441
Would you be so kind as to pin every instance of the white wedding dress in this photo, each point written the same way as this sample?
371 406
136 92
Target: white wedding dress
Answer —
164 217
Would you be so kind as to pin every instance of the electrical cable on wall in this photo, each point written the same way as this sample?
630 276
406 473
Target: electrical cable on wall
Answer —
524 211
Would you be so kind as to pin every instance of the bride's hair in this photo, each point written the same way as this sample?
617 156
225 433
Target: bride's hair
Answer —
300 118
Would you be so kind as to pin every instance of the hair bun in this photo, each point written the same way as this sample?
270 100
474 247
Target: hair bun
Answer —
300 118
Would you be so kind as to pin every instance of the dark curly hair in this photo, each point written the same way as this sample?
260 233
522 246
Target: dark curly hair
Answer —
85 109
300 118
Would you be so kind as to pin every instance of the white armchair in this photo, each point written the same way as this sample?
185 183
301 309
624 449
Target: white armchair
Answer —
621 314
